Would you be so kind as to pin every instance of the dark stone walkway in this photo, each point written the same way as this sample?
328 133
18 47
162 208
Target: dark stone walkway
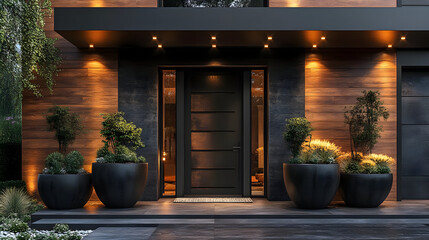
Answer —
294 231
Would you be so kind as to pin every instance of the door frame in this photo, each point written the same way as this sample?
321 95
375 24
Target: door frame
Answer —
246 125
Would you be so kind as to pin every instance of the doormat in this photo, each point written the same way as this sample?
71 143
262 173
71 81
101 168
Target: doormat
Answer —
213 200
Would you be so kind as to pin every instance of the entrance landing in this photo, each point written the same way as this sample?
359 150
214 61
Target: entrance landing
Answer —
261 211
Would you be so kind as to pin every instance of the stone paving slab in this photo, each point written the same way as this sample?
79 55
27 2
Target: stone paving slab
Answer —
121 233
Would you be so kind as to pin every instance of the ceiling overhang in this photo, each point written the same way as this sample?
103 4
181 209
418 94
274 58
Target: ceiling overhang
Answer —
245 27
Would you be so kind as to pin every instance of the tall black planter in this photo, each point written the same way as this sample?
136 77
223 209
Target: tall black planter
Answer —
119 185
66 191
311 186
365 190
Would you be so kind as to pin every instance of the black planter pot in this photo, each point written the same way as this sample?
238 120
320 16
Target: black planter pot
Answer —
66 191
119 185
311 186
365 190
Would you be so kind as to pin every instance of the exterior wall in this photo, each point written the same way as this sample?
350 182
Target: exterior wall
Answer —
87 83
332 3
138 92
333 80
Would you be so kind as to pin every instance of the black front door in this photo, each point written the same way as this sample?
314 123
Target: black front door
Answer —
213 132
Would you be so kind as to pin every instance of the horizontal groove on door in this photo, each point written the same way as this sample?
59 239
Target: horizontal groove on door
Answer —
213 140
214 159
212 131
214 168
213 102
214 121
214 178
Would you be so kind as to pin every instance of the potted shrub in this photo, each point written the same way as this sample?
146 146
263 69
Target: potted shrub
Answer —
366 180
119 175
311 176
64 184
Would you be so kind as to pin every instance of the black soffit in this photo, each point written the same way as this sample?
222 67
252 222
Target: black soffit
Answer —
245 27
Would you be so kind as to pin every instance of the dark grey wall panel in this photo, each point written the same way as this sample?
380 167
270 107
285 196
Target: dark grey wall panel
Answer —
138 98
415 150
413 124
415 110
415 82
416 187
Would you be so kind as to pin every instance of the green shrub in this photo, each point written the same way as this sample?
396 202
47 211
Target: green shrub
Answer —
368 164
61 228
121 140
23 236
13 183
54 163
73 236
14 201
297 130
15 225
10 129
67 126
318 152
73 162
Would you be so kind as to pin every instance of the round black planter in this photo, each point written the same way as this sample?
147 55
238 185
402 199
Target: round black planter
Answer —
64 191
119 185
311 186
365 190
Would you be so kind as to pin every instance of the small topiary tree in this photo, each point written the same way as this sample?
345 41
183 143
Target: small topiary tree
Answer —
117 131
54 163
67 126
122 137
73 162
297 130
363 121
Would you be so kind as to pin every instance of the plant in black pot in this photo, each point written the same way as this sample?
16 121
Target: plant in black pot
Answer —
119 175
366 178
64 184
311 176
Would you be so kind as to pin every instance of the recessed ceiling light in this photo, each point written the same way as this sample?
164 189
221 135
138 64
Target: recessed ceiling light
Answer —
154 38
91 45
213 45
159 45
213 37
266 46
314 46
270 38
403 38
390 46
323 38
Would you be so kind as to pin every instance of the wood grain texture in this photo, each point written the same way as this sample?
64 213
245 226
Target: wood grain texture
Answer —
333 80
332 3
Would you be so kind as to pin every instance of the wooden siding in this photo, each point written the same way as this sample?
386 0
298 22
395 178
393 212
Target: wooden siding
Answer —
87 83
333 80
332 3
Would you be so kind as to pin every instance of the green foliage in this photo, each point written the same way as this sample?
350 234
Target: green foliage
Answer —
73 162
123 155
67 126
14 202
61 228
363 120
318 152
14 225
368 164
23 236
10 129
25 51
297 130
122 137
54 163
117 131
13 183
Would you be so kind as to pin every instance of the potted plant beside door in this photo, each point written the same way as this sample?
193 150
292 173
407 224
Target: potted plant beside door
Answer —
119 175
366 178
64 184
312 175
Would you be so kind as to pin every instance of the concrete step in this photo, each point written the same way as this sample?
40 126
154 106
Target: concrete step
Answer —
90 224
